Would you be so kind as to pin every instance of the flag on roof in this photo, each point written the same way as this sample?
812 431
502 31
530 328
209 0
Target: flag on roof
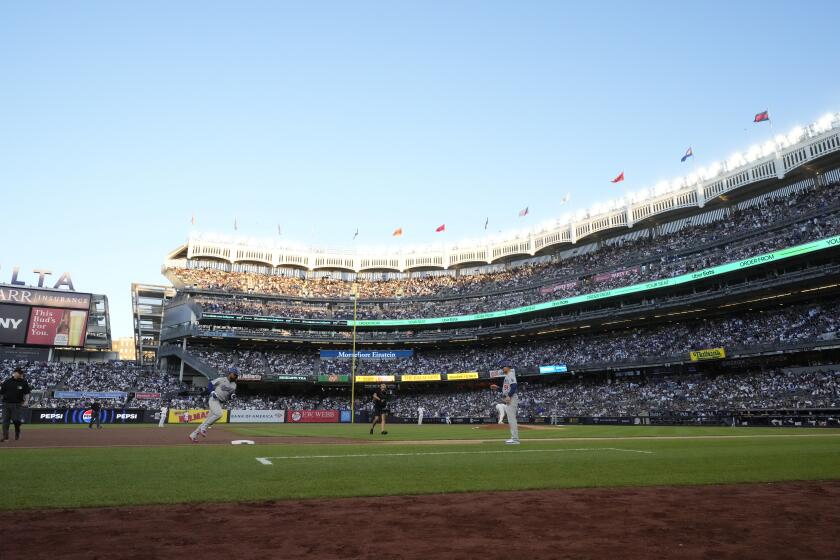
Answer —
355 235
487 221
618 179
523 212
279 230
192 221
688 153
397 232
440 228
235 225
761 117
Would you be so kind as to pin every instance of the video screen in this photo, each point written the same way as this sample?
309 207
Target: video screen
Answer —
57 327
13 323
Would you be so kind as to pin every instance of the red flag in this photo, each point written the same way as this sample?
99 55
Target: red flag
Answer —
440 228
397 232
523 212
192 221
618 179
761 117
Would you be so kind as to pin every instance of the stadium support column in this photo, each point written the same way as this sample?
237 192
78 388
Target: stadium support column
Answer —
183 353
701 195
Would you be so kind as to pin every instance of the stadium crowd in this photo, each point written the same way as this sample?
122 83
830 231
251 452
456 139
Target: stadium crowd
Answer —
788 325
774 224
578 396
645 396
669 395
257 362
116 376
563 287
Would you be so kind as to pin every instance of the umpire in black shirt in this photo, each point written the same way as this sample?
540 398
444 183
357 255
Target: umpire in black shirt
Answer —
15 392
380 408
95 407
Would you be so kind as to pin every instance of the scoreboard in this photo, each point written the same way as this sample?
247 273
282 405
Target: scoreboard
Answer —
39 317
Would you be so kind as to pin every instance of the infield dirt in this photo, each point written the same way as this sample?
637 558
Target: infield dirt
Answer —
780 521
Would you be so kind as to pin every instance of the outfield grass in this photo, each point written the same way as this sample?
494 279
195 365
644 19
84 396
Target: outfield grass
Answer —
128 476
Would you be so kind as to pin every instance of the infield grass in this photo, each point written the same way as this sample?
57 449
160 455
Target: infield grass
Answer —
112 476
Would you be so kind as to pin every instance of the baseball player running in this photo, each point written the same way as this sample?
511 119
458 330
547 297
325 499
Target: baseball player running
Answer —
511 403
223 388
500 410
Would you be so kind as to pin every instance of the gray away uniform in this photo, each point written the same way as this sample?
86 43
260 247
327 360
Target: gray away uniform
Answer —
223 388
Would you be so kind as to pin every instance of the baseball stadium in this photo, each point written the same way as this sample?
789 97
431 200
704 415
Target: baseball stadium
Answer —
666 371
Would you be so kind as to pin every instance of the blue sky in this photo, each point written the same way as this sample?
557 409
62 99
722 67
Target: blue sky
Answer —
119 121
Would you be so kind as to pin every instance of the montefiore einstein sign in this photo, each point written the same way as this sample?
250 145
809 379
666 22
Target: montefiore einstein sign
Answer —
366 354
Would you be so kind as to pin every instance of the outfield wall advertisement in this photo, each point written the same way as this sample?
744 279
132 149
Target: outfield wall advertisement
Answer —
84 416
257 416
192 416
309 416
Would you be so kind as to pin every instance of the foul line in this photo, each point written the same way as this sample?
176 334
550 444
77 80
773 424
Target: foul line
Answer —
268 460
